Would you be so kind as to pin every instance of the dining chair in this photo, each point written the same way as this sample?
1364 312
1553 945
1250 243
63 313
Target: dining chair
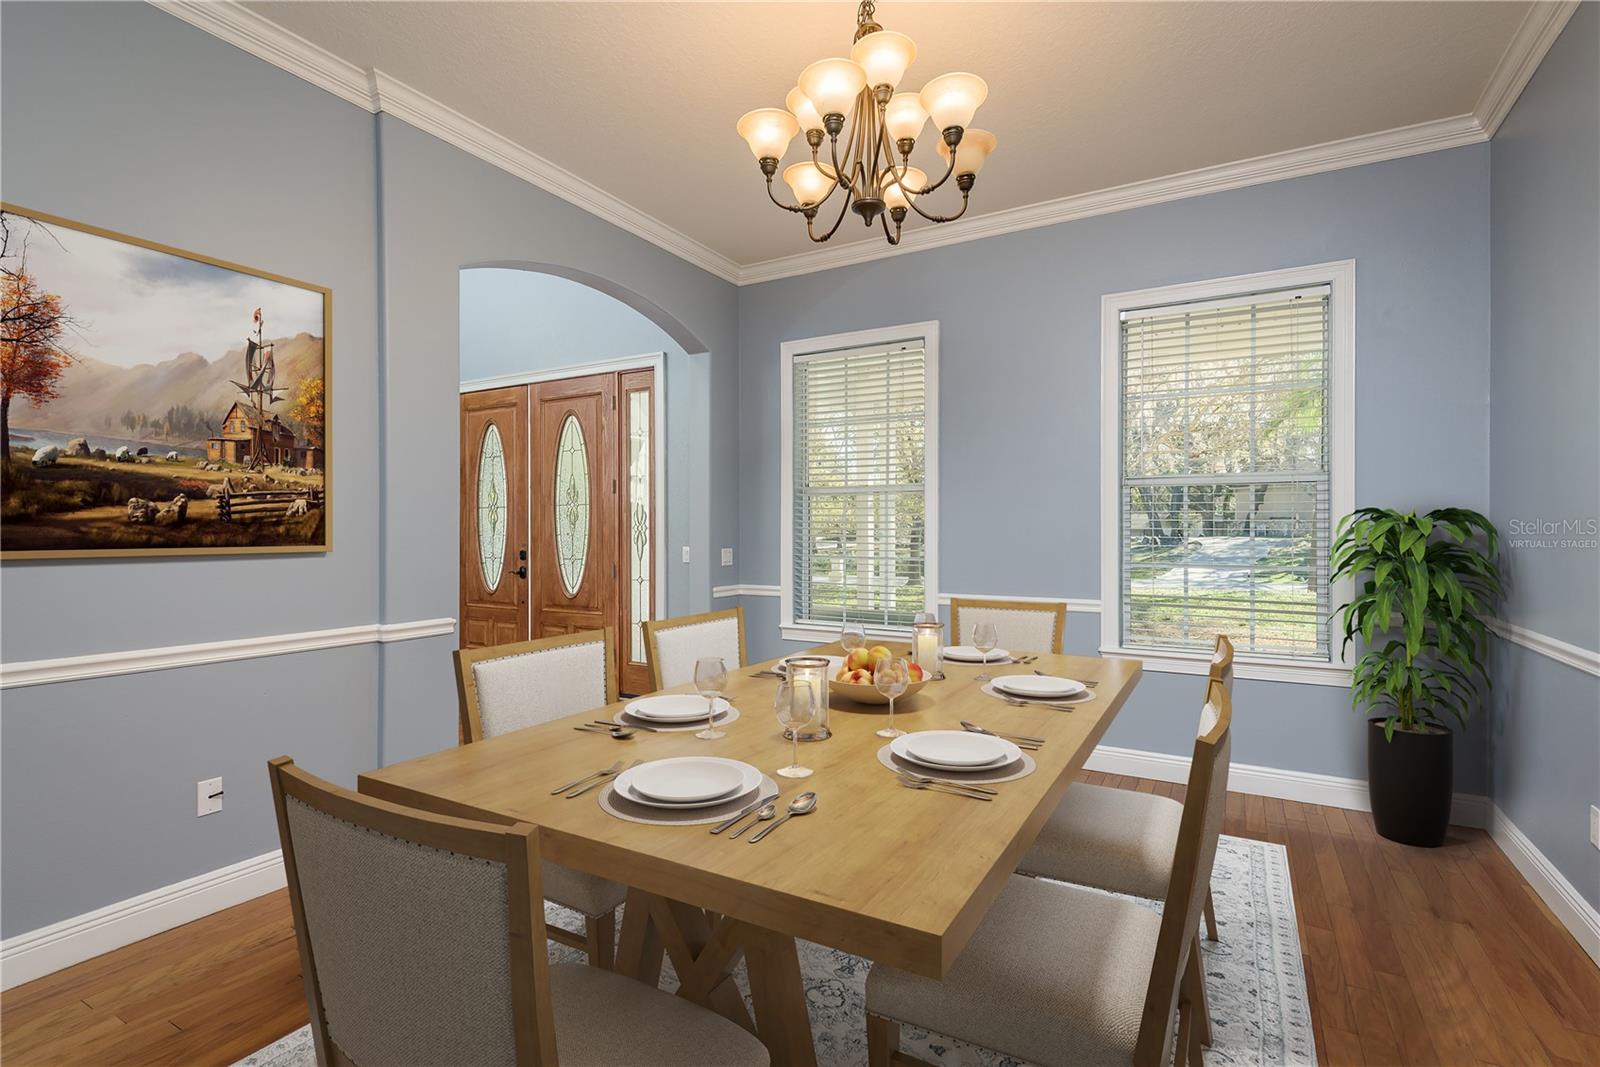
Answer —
1023 625
416 946
1059 974
671 646
1116 839
508 687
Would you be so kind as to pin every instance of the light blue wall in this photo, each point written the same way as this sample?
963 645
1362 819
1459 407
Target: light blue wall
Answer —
124 117
518 321
1545 459
1019 379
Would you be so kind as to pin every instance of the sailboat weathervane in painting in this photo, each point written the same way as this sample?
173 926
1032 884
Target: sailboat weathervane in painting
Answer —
126 427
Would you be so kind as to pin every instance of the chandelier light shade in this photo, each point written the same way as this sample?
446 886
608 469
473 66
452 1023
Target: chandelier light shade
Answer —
801 107
974 149
904 116
952 99
861 134
768 131
884 56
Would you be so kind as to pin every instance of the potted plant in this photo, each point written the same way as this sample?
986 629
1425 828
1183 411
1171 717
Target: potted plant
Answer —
1431 580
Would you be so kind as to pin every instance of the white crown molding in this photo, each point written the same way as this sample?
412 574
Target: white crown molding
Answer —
50 948
138 660
1564 900
377 92
1295 163
1584 659
1535 34
265 39
723 591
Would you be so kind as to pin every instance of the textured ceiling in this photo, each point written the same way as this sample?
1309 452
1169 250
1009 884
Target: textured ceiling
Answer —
641 98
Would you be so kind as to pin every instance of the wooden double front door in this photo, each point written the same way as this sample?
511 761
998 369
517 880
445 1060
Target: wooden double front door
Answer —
558 516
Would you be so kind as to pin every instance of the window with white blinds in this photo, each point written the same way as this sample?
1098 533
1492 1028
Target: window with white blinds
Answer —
1226 473
858 441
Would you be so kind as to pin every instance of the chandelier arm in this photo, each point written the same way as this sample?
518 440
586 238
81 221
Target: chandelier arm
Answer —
843 210
900 172
838 171
894 238
965 200
780 203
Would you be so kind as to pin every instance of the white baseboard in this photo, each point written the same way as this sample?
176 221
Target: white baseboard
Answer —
40 952
1303 786
1562 897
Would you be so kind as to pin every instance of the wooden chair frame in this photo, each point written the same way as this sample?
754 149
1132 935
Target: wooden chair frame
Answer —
1176 986
652 627
516 846
1059 610
1221 671
467 685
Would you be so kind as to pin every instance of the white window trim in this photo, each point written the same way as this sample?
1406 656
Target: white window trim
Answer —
1341 277
789 351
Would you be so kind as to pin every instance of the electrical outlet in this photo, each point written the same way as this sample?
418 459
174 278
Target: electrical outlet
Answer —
1594 826
686 553
208 796
727 557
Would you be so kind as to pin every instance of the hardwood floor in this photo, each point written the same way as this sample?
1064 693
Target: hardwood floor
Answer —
1413 956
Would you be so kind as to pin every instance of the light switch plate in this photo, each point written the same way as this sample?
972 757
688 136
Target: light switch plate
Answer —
204 802
727 557
1594 826
686 553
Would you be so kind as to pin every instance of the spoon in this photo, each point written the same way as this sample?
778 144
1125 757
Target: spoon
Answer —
620 733
764 814
804 804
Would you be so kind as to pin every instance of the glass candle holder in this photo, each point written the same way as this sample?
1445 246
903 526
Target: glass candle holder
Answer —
811 672
927 643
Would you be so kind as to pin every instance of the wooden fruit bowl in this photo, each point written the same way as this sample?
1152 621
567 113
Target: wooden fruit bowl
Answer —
868 694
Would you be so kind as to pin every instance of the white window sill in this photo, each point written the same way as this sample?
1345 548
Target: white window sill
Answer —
821 635
1263 668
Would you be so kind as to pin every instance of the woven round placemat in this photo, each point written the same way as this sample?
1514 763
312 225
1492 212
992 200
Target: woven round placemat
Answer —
1009 773
622 718
1006 698
632 811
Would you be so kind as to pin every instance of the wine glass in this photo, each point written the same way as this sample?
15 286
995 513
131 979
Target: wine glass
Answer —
984 639
711 678
796 707
852 635
890 677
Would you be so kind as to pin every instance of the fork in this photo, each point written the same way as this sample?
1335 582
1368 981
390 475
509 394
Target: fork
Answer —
602 780
613 769
1020 739
1014 702
925 780
953 791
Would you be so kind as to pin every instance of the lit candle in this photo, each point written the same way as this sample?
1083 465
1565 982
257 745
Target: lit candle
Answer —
811 673
927 643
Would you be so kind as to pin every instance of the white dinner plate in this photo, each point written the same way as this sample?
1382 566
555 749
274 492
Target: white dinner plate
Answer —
688 781
1038 686
968 654
669 707
834 663
955 750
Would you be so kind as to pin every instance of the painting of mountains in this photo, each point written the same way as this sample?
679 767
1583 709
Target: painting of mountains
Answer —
155 401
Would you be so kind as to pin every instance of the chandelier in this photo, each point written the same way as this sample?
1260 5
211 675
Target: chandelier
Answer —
872 170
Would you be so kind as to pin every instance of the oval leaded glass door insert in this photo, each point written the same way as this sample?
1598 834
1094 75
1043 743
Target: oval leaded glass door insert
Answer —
491 507
572 505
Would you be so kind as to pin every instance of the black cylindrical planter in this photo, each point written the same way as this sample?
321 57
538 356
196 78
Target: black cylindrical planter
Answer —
1411 782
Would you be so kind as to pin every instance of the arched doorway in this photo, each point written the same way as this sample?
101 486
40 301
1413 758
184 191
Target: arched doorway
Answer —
564 449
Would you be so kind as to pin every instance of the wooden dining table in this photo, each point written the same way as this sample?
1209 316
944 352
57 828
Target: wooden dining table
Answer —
897 875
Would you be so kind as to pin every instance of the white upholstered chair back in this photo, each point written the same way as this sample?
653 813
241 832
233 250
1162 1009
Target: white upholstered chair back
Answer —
407 944
672 645
508 687
1023 626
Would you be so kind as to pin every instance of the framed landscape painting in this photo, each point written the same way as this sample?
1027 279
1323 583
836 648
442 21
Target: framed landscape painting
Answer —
155 401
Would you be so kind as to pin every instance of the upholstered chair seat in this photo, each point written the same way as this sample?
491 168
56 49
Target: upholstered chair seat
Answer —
580 891
606 1020
1053 975
1113 839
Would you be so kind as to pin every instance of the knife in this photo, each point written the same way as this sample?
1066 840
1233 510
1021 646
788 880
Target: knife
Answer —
727 823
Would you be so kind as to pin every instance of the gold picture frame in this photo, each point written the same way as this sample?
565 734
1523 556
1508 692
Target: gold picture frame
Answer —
257 436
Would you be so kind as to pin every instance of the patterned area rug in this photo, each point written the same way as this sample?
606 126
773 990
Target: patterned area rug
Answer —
1255 980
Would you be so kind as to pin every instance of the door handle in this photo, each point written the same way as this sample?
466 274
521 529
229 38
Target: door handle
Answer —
521 572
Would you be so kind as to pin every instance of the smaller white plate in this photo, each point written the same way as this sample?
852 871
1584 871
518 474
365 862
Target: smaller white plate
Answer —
834 663
968 654
955 750
669 707
687 781
1038 686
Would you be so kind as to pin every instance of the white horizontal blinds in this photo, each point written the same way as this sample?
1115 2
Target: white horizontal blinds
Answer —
859 443
1226 516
